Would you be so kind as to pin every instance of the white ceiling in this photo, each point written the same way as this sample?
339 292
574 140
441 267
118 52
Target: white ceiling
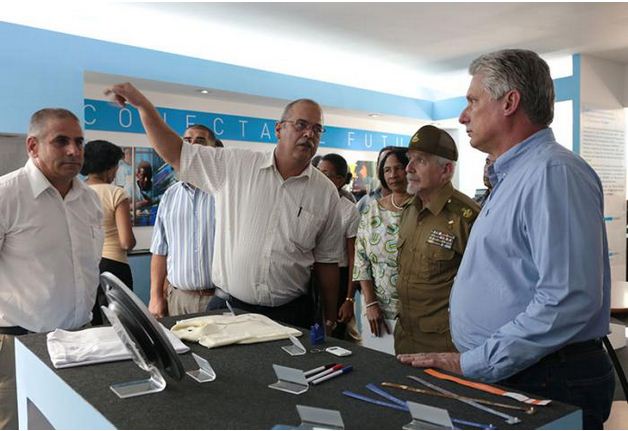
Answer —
432 37
413 49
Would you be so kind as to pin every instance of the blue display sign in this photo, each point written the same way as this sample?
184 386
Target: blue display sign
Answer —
103 115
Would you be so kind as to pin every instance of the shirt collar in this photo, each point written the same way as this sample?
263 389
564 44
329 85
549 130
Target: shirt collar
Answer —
270 162
439 200
509 159
39 183
187 186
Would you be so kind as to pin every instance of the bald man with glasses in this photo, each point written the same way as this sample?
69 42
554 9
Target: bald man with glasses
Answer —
276 215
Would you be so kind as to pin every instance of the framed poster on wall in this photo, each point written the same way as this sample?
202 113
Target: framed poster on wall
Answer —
145 177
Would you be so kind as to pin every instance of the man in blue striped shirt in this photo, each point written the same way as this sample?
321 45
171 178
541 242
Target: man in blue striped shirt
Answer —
531 300
183 244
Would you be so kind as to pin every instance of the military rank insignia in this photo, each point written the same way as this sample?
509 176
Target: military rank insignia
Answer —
441 239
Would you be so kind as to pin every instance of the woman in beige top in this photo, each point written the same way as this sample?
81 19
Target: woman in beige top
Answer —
100 167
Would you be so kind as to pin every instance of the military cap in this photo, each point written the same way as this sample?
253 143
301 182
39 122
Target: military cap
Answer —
432 140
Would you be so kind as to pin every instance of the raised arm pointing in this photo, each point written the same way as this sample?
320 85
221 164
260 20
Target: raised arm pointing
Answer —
165 140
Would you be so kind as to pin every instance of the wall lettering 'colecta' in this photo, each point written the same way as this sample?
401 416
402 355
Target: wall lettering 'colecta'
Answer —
105 116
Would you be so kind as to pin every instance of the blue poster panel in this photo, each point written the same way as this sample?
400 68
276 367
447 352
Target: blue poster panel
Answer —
103 115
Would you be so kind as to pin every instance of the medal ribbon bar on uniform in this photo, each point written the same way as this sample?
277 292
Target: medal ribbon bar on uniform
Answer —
441 239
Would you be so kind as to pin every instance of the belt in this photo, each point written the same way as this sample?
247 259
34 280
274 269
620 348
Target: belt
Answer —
14 330
571 350
222 294
199 292
237 303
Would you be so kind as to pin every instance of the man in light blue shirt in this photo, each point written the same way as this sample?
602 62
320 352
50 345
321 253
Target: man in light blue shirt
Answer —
531 300
183 244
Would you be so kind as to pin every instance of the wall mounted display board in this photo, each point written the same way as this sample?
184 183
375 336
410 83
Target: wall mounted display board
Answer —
603 146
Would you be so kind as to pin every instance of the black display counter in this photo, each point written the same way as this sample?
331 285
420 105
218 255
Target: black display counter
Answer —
239 398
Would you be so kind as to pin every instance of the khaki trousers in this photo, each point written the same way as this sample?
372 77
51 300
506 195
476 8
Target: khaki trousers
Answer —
183 302
8 396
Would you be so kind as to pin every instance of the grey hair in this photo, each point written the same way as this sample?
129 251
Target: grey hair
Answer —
521 70
41 117
289 106
442 161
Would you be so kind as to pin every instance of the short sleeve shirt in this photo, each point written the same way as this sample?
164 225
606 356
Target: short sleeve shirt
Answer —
269 231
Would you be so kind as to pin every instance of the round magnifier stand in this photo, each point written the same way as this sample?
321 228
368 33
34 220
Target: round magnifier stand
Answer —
155 383
141 334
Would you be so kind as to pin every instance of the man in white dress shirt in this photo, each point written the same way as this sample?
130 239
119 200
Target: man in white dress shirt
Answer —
50 243
276 215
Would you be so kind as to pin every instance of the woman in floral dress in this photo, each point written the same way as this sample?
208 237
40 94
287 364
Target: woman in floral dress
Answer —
375 265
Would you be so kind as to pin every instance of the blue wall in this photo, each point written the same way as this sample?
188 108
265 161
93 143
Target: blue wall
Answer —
140 268
43 68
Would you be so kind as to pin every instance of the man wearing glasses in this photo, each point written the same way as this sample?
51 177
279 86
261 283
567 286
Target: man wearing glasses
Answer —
276 215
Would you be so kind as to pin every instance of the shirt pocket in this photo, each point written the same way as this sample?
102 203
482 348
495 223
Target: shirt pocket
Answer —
436 259
304 229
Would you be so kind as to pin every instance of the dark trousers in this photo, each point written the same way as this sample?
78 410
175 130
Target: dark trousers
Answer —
298 312
580 374
120 270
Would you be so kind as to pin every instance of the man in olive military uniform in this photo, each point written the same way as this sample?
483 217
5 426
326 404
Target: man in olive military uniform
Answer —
432 237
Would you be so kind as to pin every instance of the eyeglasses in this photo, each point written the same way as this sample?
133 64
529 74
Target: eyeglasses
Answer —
301 125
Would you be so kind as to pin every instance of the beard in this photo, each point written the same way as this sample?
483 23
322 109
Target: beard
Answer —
412 188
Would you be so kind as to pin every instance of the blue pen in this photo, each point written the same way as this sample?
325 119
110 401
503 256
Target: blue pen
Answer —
399 404
382 393
377 402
